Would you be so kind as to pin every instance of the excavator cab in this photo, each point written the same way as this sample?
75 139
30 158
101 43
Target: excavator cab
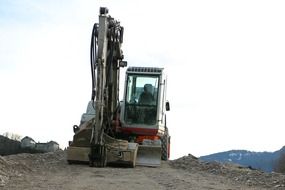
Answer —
143 118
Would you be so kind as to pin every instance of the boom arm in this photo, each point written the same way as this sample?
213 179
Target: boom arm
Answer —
106 60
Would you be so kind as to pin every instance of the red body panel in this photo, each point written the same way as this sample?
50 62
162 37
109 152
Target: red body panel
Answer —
138 131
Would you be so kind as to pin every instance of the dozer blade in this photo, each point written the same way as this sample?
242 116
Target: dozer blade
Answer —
149 155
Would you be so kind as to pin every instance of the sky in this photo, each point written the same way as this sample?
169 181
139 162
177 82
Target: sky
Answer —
224 59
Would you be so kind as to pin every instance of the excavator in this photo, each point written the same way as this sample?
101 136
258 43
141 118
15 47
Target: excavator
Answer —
129 132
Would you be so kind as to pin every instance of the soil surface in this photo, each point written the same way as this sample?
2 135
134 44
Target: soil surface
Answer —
50 171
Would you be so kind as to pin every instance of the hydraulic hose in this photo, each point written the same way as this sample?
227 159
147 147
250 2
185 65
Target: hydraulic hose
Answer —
93 55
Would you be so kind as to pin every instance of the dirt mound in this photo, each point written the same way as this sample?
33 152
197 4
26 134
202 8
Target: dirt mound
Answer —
21 164
238 174
10 168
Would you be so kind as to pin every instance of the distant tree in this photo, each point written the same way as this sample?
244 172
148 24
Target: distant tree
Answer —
279 166
6 134
12 136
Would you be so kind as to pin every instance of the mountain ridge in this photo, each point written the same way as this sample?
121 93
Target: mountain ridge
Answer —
259 160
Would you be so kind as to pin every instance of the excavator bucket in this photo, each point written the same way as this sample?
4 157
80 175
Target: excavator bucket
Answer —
149 155
120 152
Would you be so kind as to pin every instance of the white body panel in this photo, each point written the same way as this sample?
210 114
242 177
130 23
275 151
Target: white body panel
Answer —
161 99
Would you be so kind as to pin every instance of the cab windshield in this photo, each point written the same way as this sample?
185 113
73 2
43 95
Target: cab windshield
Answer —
141 99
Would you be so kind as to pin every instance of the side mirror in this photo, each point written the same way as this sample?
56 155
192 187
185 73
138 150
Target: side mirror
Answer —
167 106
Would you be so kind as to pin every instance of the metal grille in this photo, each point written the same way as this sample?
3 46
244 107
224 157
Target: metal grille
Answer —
145 69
